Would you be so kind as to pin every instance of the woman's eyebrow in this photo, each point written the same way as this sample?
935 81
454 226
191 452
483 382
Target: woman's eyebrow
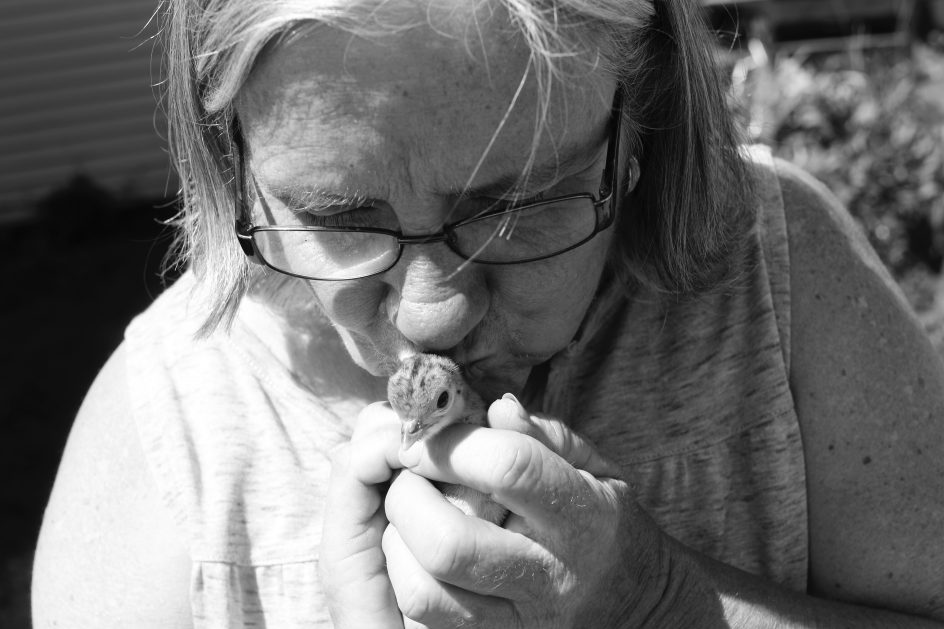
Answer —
566 162
542 175
300 199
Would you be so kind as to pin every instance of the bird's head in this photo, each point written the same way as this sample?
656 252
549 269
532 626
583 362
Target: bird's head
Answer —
427 392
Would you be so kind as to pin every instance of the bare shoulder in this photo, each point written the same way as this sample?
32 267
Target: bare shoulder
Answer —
109 553
869 392
821 229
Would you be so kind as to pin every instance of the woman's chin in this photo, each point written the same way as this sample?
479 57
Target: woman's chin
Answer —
493 383
367 356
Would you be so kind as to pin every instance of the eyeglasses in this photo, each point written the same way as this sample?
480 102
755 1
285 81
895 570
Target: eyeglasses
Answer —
515 234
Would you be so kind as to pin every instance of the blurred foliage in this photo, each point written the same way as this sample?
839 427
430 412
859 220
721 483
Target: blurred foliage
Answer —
872 128
870 125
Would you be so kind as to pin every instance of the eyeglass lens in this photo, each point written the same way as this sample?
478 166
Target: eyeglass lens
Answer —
329 255
530 232
536 231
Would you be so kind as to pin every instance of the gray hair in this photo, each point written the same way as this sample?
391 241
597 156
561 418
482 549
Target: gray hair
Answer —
678 225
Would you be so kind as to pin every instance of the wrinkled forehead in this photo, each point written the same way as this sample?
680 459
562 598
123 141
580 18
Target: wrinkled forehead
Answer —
440 79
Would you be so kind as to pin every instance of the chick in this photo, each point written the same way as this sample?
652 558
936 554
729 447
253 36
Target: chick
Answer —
428 393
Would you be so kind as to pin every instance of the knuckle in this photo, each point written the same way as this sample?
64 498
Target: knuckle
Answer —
558 434
566 443
448 555
602 515
526 578
371 417
360 459
340 456
415 599
517 466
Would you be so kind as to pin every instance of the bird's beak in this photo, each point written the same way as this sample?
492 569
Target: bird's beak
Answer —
411 432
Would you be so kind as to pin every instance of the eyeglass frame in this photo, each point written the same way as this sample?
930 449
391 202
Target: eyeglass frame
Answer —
604 207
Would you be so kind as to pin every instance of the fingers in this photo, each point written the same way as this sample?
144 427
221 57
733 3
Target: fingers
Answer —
375 444
463 551
517 470
427 602
351 561
507 413
355 502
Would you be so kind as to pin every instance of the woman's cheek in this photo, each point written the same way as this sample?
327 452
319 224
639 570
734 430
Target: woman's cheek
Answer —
356 310
355 304
366 354
555 292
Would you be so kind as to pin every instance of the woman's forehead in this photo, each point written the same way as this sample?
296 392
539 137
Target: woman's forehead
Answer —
419 96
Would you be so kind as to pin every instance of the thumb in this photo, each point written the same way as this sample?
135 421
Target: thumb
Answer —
507 413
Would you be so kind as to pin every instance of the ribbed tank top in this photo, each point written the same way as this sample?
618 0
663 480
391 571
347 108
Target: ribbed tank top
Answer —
690 396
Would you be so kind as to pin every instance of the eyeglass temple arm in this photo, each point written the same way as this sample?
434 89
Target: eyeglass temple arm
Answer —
610 181
242 222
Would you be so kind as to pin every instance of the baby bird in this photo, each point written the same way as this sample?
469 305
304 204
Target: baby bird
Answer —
428 393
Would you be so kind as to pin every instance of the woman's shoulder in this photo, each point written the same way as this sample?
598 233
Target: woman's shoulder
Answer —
110 553
790 186
203 405
829 251
814 211
868 387
258 376
842 295
277 345
818 229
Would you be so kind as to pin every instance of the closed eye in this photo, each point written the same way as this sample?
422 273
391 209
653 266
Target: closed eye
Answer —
323 209
480 206
518 201
511 204
337 216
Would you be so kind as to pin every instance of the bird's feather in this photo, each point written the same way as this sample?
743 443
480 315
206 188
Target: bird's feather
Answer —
429 393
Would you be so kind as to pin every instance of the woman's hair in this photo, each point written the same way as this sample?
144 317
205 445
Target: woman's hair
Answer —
678 225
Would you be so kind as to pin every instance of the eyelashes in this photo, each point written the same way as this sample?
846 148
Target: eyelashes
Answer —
365 216
369 213
373 216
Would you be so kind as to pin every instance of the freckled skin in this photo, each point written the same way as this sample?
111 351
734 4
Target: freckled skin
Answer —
395 121
429 394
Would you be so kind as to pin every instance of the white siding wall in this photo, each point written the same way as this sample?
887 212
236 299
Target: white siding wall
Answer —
76 96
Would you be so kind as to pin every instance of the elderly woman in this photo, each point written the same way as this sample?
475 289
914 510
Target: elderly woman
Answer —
709 406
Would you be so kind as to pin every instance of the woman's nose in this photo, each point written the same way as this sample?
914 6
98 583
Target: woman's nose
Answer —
434 302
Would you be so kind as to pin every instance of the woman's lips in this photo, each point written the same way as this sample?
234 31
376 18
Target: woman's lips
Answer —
476 369
494 376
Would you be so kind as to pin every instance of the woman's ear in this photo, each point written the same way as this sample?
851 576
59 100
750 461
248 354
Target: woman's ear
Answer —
632 174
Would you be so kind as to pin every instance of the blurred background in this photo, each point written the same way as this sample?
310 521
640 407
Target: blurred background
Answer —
852 90
84 184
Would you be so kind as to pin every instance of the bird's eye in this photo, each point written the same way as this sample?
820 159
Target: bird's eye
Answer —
443 400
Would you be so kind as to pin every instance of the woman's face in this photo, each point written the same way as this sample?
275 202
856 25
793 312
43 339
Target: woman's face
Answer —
401 122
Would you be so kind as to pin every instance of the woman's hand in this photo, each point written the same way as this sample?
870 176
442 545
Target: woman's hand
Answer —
352 567
575 550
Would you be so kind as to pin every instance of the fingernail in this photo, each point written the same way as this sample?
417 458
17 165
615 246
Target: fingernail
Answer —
412 455
519 407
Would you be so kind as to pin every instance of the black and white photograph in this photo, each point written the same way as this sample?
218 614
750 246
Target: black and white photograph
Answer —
505 314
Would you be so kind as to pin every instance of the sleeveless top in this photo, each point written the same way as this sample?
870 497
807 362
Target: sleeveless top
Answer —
691 397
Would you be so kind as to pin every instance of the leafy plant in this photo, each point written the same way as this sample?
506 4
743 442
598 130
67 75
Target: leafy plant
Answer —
874 134
871 126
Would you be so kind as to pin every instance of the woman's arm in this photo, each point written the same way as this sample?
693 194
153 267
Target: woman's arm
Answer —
109 553
605 564
577 550
869 392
